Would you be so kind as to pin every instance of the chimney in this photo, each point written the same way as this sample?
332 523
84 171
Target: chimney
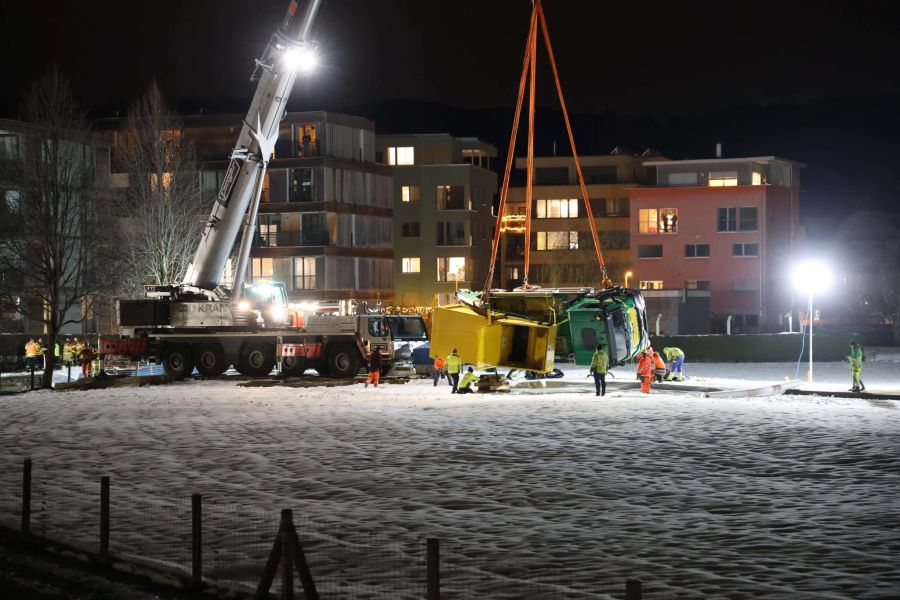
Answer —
718 149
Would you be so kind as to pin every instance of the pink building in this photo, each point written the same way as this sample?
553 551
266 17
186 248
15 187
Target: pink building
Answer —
727 225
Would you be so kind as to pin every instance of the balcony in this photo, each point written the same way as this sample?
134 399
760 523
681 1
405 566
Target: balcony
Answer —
284 239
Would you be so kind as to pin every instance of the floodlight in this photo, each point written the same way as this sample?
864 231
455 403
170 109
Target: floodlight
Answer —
812 277
302 58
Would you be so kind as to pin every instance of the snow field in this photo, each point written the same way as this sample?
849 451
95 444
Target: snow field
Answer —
557 496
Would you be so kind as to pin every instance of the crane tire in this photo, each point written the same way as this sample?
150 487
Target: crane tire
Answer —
343 361
293 365
177 360
256 359
210 359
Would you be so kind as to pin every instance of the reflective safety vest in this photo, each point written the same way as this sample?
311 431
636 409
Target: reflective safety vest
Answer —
467 380
30 350
673 353
600 362
454 362
38 349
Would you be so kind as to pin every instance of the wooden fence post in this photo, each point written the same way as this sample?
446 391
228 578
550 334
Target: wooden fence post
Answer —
433 569
26 496
104 515
196 541
633 590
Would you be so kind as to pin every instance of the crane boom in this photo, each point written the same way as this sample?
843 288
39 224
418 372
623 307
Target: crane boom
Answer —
247 164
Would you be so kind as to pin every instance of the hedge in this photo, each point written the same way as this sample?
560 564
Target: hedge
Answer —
764 347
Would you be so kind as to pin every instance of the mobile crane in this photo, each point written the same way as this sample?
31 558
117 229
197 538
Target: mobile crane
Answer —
198 322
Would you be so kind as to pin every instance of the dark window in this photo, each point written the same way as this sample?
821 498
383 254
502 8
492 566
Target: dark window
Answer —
452 233
650 251
599 174
313 230
696 250
410 230
747 220
551 175
696 284
451 197
727 220
301 185
745 249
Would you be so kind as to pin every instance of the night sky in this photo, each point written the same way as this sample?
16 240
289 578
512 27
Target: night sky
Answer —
818 82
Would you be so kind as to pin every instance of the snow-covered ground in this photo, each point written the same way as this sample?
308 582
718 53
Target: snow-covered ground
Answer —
781 497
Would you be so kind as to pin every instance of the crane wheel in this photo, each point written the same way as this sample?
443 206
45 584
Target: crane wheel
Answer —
293 365
343 361
177 360
256 360
210 359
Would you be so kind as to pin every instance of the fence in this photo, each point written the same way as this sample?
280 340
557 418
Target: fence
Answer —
202 541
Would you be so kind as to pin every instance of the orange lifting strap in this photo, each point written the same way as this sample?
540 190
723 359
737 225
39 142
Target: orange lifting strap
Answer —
528 74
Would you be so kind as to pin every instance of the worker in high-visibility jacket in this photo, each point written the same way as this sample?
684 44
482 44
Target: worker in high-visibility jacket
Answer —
440 370
39 353
855 359
30 351
454 364
599 368
659 366
68 352
465 384
645 371
676 357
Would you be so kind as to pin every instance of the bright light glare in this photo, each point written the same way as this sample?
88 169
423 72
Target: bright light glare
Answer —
303 59
243 306
279 313
812 277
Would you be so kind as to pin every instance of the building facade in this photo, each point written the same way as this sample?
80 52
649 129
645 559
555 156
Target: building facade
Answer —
562 246
443 194
325 217
726 225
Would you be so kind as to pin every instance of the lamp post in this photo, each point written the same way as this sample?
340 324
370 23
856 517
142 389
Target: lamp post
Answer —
811 278
627 275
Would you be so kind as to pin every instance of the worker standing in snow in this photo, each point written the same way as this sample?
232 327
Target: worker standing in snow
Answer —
29 353
465 385
39 353
454 363
855 359
86 354
659 367
645 371
440 369
676 357
599 368
374 367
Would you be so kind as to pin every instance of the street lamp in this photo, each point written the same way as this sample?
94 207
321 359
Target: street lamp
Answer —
627 275
811 278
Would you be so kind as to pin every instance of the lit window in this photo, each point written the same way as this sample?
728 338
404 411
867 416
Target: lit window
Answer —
409 193
696 250
723 178
557 240
696 284
402 155
668 220
653 284
745 250
557 209
757 178
263 268
512 272
451 268
648 220
411 264
304 272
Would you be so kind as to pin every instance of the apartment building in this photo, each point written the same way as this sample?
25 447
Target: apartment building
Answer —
443 193
562 246
726 225
325 218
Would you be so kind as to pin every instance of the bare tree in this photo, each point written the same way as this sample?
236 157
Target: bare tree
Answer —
52 251
162 208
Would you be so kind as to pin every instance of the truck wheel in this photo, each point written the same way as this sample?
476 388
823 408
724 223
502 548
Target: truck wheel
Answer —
177 360
256 360
293 365
343 361
211 359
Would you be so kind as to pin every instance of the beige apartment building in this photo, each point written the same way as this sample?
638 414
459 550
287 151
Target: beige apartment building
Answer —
562 248
444 192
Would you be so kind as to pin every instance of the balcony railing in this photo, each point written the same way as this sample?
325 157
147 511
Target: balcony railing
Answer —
292 239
